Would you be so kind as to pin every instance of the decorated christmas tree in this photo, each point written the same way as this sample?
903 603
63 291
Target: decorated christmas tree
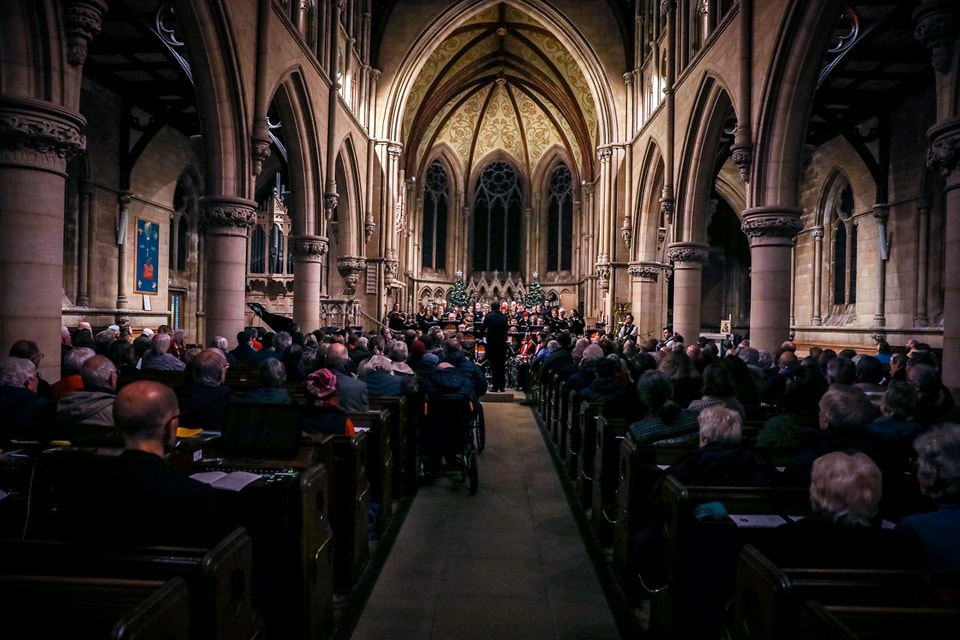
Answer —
534 293
457 297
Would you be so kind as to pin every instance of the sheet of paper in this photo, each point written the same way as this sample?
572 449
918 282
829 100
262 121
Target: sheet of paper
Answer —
767 520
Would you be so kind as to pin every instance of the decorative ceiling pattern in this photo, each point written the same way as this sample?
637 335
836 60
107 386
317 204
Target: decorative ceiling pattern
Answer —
501 82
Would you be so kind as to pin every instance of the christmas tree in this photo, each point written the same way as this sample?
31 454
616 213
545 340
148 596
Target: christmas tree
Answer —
534 293
457 297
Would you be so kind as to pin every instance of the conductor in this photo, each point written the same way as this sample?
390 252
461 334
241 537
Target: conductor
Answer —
495 332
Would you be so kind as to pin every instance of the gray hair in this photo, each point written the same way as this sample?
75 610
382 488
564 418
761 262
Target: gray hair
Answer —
161 342
397 350
14 372
282 340
220 343
73 361
97 371
272 373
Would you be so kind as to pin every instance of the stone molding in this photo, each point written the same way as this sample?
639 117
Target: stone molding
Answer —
603 273
39 134
228 216
82 21
349 268
771 223
743 158
647 270
936 29
694 252
309 248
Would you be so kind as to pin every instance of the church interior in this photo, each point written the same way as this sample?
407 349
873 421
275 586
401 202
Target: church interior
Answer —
778 171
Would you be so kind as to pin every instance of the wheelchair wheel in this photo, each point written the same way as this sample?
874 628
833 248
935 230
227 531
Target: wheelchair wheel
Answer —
472 474
480 433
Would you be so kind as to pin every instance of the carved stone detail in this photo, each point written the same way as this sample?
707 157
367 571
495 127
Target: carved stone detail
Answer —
82 22
817 233
391 269
330 200
228 216
743 158
646 270
944 152
666 209
769 223
350 268
39 134
937 29
310 248
260 150
688 252
603 272
668 6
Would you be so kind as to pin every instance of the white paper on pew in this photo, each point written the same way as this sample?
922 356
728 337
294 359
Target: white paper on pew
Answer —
767 520
359 429
233 481
663 467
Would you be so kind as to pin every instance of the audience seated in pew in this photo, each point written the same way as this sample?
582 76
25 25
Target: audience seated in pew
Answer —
665 422
70 372
273 376
717 390
323 413
845 529
895 423
93 404
134 498
798 422
19 401
938 471
378 374
203 397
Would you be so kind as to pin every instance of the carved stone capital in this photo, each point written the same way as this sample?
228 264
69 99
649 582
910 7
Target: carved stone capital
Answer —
39 134
944 152
83 21
330 200
771 225
309 248
228 216
603 273
668 6
936 29
368 228
604 154
743 158
649 271
817 233
881 212
350 268
666 209
391 269
694 252
260 150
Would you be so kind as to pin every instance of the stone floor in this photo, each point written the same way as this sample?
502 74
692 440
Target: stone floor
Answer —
509 562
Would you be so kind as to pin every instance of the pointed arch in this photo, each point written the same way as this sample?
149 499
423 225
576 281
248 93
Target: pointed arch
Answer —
647 220
349 211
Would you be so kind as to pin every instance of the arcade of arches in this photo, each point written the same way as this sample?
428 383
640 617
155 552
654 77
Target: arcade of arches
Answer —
791 166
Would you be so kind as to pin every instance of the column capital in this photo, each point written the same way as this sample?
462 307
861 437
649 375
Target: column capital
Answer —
937 27
227 216
83 20
309 248
39 134
647 270
349 268
771 225
689 252
944 152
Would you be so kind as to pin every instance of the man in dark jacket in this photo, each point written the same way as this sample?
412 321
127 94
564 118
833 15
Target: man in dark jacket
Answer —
495 337
203 398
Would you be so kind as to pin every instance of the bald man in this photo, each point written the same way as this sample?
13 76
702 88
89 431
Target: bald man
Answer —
134 498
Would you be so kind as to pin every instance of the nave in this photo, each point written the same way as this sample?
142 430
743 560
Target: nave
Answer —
509 562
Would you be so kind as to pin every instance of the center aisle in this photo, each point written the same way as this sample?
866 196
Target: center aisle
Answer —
508 562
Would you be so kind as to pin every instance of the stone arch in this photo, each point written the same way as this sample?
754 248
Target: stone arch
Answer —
648 220
349 204
701 160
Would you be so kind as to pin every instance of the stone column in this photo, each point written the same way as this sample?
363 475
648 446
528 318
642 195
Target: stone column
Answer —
227 221
309 253
36 141
881 213
123 217
84 243
816 313
688 259
944 155
920 317
647 297
771 231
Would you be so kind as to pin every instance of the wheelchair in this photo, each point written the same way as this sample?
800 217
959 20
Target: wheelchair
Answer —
448 439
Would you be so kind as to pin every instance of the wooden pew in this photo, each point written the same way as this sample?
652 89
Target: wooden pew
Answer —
825 622
769 599
606 475
35 606
168 378
589 412
560 406
219 579
699 557
573 437
348 500
380 461
399 415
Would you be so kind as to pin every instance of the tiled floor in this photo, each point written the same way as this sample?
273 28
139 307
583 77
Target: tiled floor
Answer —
508 562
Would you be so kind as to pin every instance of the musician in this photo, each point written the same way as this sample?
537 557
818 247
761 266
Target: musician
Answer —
628 331
576 323
528 348
396 321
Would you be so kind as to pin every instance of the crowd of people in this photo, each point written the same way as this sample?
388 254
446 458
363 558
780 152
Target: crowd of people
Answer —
890 406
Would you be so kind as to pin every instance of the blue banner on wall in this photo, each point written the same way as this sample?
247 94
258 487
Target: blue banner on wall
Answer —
148 257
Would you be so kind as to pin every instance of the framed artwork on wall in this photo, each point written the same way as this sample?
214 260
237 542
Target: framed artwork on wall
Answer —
146 276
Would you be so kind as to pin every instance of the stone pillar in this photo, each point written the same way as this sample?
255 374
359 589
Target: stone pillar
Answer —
309 253
123 221
85 242
944 155
920 317
646 297
771 231
688 259
881 213
227 221
816 313
36 141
